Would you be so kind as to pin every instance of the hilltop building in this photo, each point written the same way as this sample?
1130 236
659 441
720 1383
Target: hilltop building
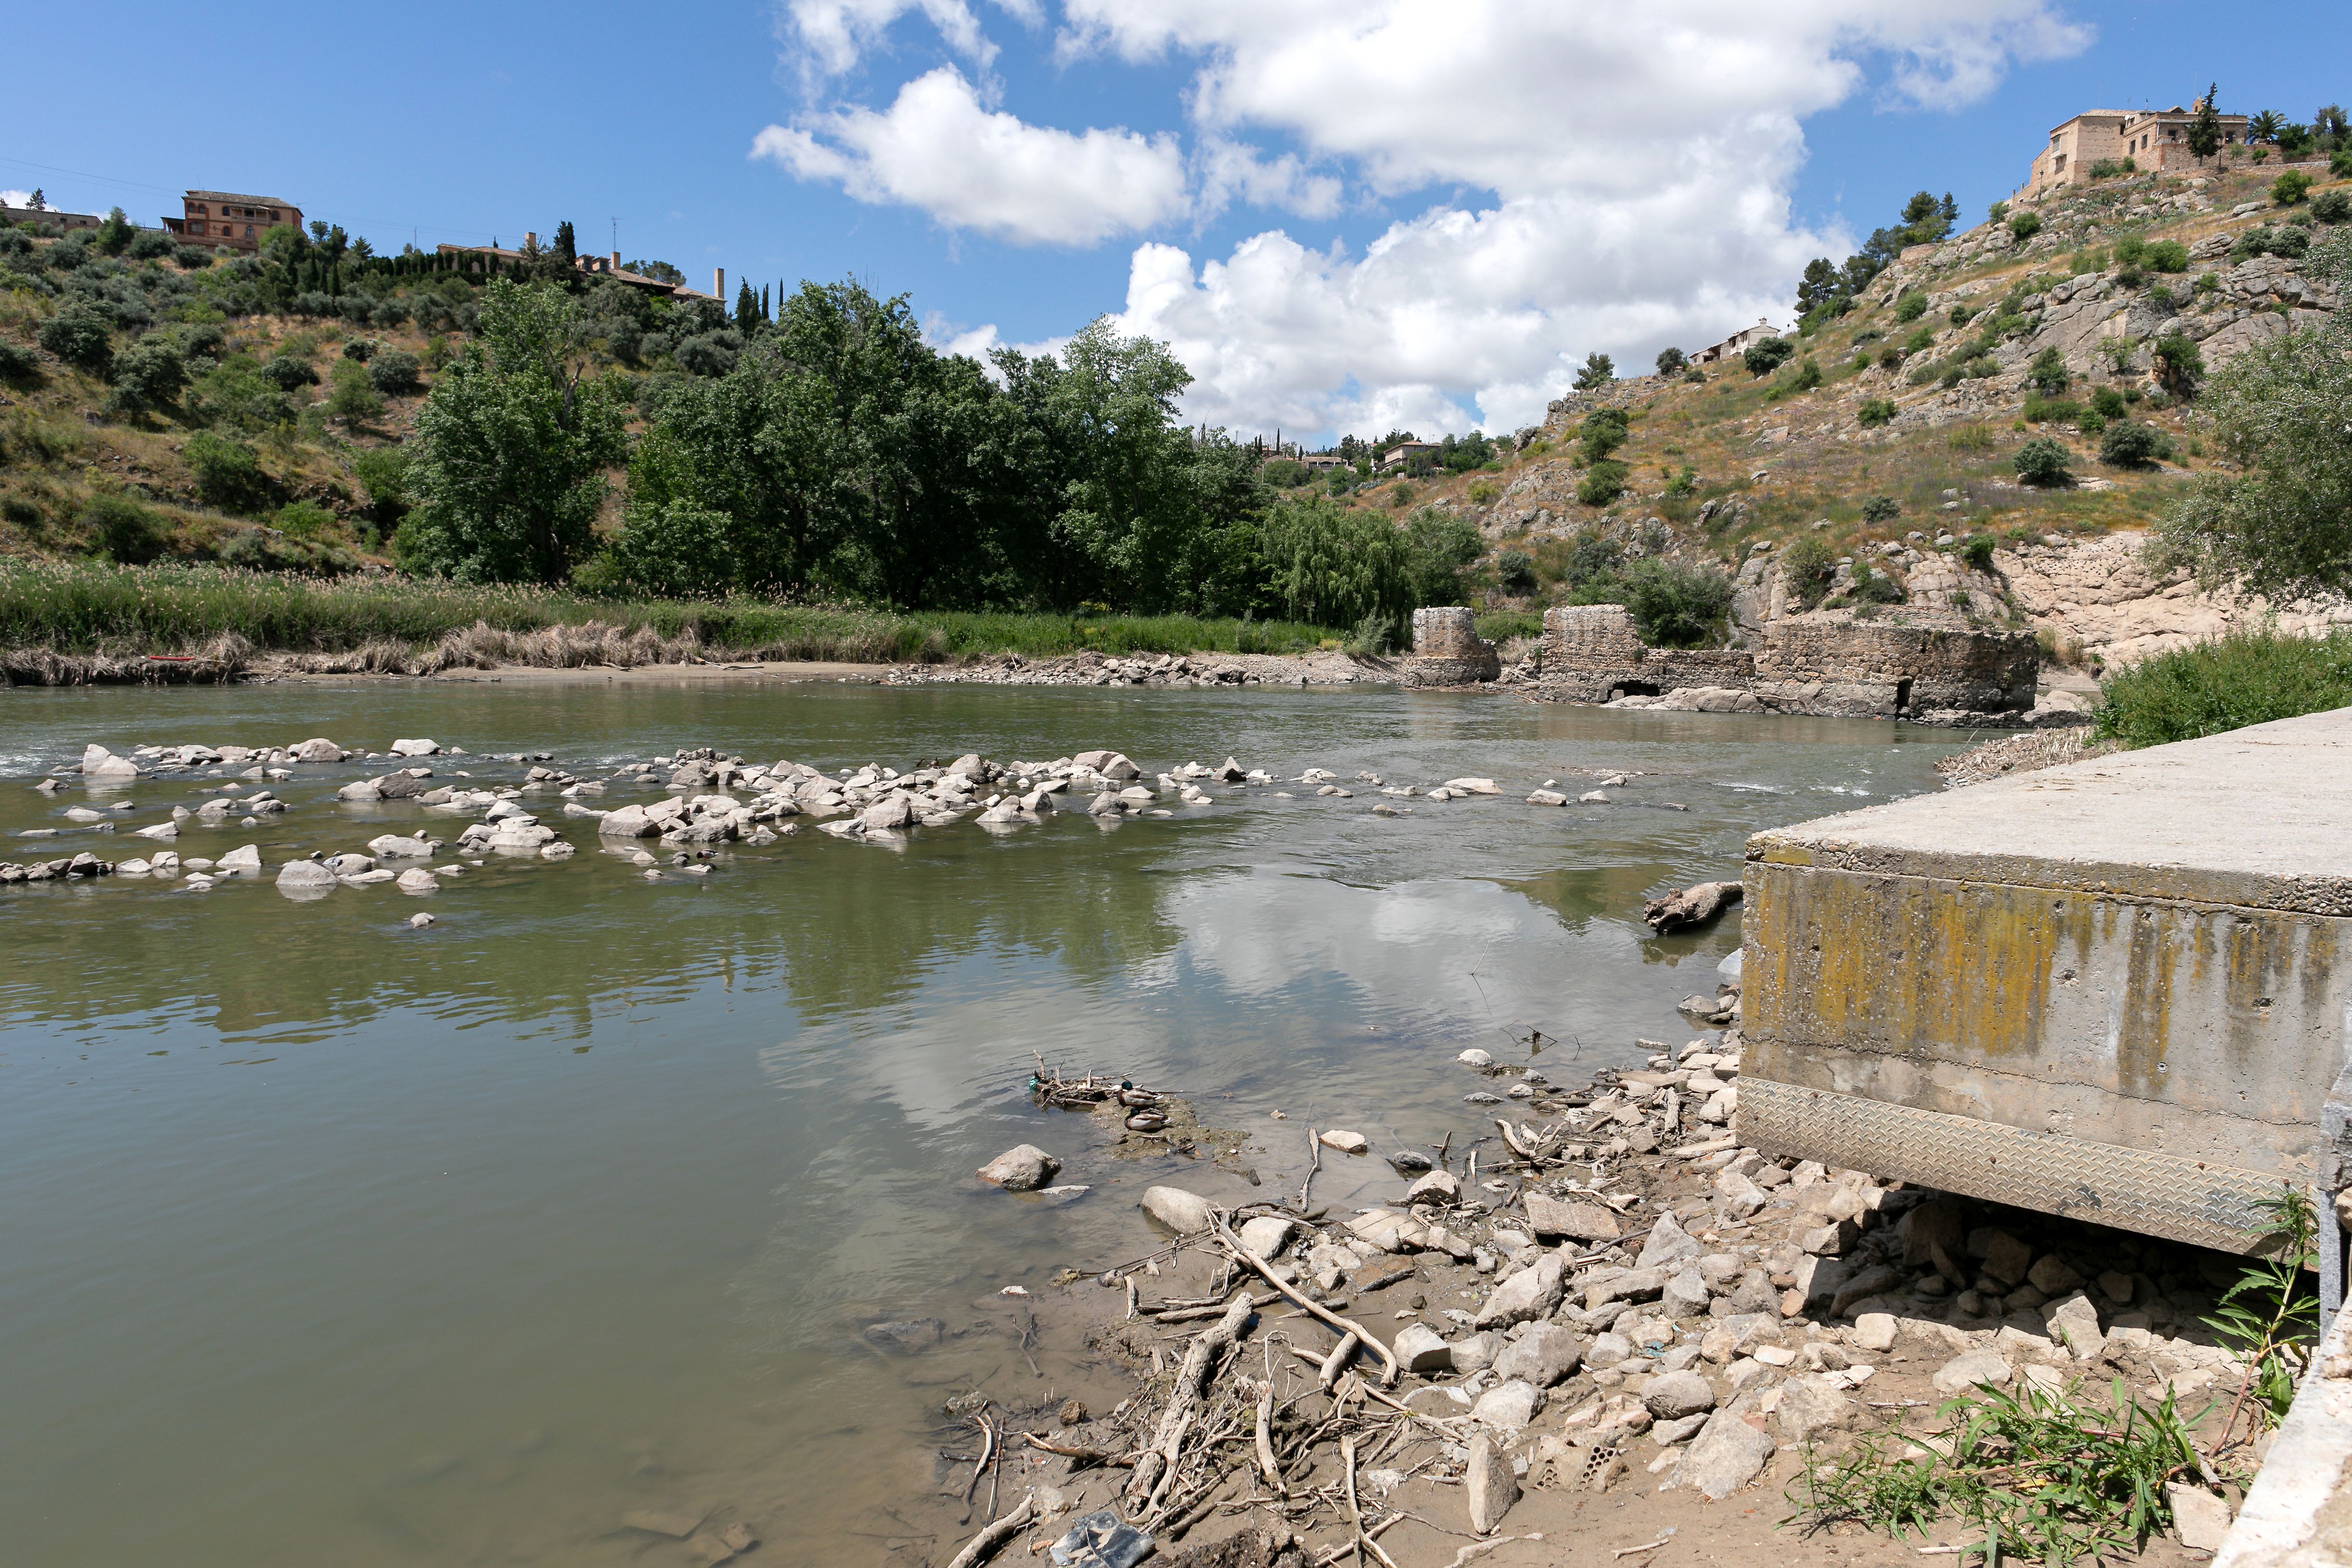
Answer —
607 266
2155 139
224 220
48 214
1736 344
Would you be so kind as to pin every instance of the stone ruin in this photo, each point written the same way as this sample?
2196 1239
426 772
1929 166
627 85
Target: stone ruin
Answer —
1895 666
1447 650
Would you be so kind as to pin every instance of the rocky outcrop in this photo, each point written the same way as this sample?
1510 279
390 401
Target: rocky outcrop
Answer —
2095 598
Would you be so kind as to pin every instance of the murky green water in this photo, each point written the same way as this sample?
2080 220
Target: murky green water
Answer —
326 1240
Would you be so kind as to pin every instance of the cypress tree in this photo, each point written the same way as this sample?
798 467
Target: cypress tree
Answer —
2205 131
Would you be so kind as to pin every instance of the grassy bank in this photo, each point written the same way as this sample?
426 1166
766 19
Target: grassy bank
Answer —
2248 678
79 608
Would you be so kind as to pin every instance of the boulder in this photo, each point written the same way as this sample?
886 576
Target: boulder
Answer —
1472 786
628 822
98 763
246 857
1420 1349
1973 1368
1490 1483
1265 1236
1874 1331
1685 1294
1021 1169
164 831
1669 1244
1474 1353
319 749
417 879
1726 1455
1694 906
1176 1209
1436 1187
1545 1354
414 748
1345 1141
361 790
1809 1407
1579 1222
1509 1407
892 811
304 876
398 847
1533 1292
1676 1395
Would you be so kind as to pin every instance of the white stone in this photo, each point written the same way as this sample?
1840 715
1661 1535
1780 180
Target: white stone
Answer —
1021 1169
414 748
1176 1209
1345 1141
246 857
1265 1236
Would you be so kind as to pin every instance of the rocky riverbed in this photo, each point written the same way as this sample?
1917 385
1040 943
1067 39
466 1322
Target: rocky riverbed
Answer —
1595 1316
707 800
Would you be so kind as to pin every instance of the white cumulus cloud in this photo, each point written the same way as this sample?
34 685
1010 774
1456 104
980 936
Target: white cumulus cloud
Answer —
1565 176
938 148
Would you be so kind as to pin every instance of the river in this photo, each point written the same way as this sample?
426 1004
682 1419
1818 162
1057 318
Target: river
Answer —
325 1239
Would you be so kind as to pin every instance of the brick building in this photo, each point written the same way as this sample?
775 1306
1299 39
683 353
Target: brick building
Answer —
2153 139
224 220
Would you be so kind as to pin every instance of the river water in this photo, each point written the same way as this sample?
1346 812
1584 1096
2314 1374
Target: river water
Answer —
323 1240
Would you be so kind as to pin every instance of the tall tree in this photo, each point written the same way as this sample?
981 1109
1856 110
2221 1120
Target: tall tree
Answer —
747 309
2205 129
509 456
566 251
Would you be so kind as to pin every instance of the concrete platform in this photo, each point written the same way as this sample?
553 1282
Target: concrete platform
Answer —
2119 990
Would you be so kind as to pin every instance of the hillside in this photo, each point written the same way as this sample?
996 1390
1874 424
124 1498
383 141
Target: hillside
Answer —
1905 453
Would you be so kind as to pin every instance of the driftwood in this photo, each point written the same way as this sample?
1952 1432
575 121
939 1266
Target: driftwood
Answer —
1185 1397
995 1535
1694 906
1243 1255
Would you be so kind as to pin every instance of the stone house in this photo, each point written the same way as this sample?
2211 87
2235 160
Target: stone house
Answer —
224 220
1736 344
2153 138
1404 452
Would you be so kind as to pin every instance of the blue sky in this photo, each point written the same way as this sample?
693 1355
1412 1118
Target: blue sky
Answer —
1474 195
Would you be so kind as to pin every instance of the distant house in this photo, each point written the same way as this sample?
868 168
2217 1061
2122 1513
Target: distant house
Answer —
1324 462
68 221
602 266
2153 139
224 220
1404 452
1736 344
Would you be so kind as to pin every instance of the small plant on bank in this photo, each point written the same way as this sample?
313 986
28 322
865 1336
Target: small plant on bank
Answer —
1978 551
2049 1475
1809 567
1911 307
2043 462
2271 1317
1875 412
1881 509
2245 678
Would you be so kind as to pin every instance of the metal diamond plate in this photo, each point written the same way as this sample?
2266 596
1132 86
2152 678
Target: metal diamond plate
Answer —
2150 1192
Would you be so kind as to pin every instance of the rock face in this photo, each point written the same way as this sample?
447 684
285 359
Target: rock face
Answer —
2095 592
1694 906
1021 1169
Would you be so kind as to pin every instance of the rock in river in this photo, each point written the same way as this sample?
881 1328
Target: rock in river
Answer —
304 876
1021 1169
1176 1209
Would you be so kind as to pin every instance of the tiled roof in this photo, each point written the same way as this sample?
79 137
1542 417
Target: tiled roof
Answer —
233 196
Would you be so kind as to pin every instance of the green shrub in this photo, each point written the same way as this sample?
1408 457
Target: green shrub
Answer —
2108 402
287 373
1516 571
2332 206
2090 422
2168 256
2043 461
2025 226
1921 342
1890 356
1978 551
228 473
82 335
1911 307
2128 443
680 550
18 363
352 398
2048 372
2178 366
1281 473
1809 566
1765 355
303 519
1881 509
1875 412
382 472
1872 586
123 529
2245 678
2339 164
1502 626
1674 604
2041 410
1603 431
1808 378
396 373
147 376
2291 187
1604 482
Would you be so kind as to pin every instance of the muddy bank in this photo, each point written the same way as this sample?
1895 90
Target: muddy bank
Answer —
1588 1315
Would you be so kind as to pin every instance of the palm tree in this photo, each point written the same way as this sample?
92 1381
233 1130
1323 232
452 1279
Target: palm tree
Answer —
2265 126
